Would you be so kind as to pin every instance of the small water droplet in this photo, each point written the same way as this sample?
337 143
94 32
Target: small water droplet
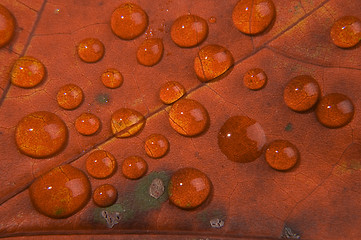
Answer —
105 195
212 19
255 79
156 145
150 52
134 167
171 91
129 21
346 32
189 30
335 110
100 164
253 17
189 188
211 62
127 122
282 155
70 96
87 124
112 78
188 117
90 50
27 72
7 26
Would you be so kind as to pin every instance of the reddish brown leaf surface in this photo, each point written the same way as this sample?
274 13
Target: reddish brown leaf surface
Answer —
318 199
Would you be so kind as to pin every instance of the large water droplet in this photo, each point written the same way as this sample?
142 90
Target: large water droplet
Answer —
346 32
27 72
7 26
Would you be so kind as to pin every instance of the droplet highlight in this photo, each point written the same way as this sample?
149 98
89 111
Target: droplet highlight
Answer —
301 93
87 124
188 117
105 195
156 145
91 50
27 72
100 164
127 122
61 192
150 52
112 78
189 30
211 62
346 32
189 188
253 16
241 139
134 167
129 21
171 91
335 110
41 134
7 26
282 155
255 79
70 96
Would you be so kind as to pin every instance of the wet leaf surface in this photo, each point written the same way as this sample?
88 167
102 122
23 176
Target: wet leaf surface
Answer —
317 199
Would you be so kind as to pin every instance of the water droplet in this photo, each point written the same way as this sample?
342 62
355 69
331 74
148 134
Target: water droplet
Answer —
301 93
102 98
128 21
212 19
69 193
41 134
253 16
7 26
188 117
156 188
346 32
255 79
188 188
189 30
100 164
241 139
211 62
171 91
335 110
134 167
27 72
282 155
70 96
91 50
112 78
156 145
105 195
150 52
87 124
127 122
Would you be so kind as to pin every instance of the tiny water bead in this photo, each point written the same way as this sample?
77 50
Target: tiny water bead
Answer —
134 167
253 16
189 188
211 62
129 21
335 110
188 117
41 134
189 30
105 195
346 32
212 19
241 139
171 91
255 79
61 192
127 122
70 96
87 124
27 72
282 155
156 145
301 93
7 26
100 164
150 52
112 78
91 50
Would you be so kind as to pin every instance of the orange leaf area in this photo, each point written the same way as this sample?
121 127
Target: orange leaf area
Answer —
318 198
